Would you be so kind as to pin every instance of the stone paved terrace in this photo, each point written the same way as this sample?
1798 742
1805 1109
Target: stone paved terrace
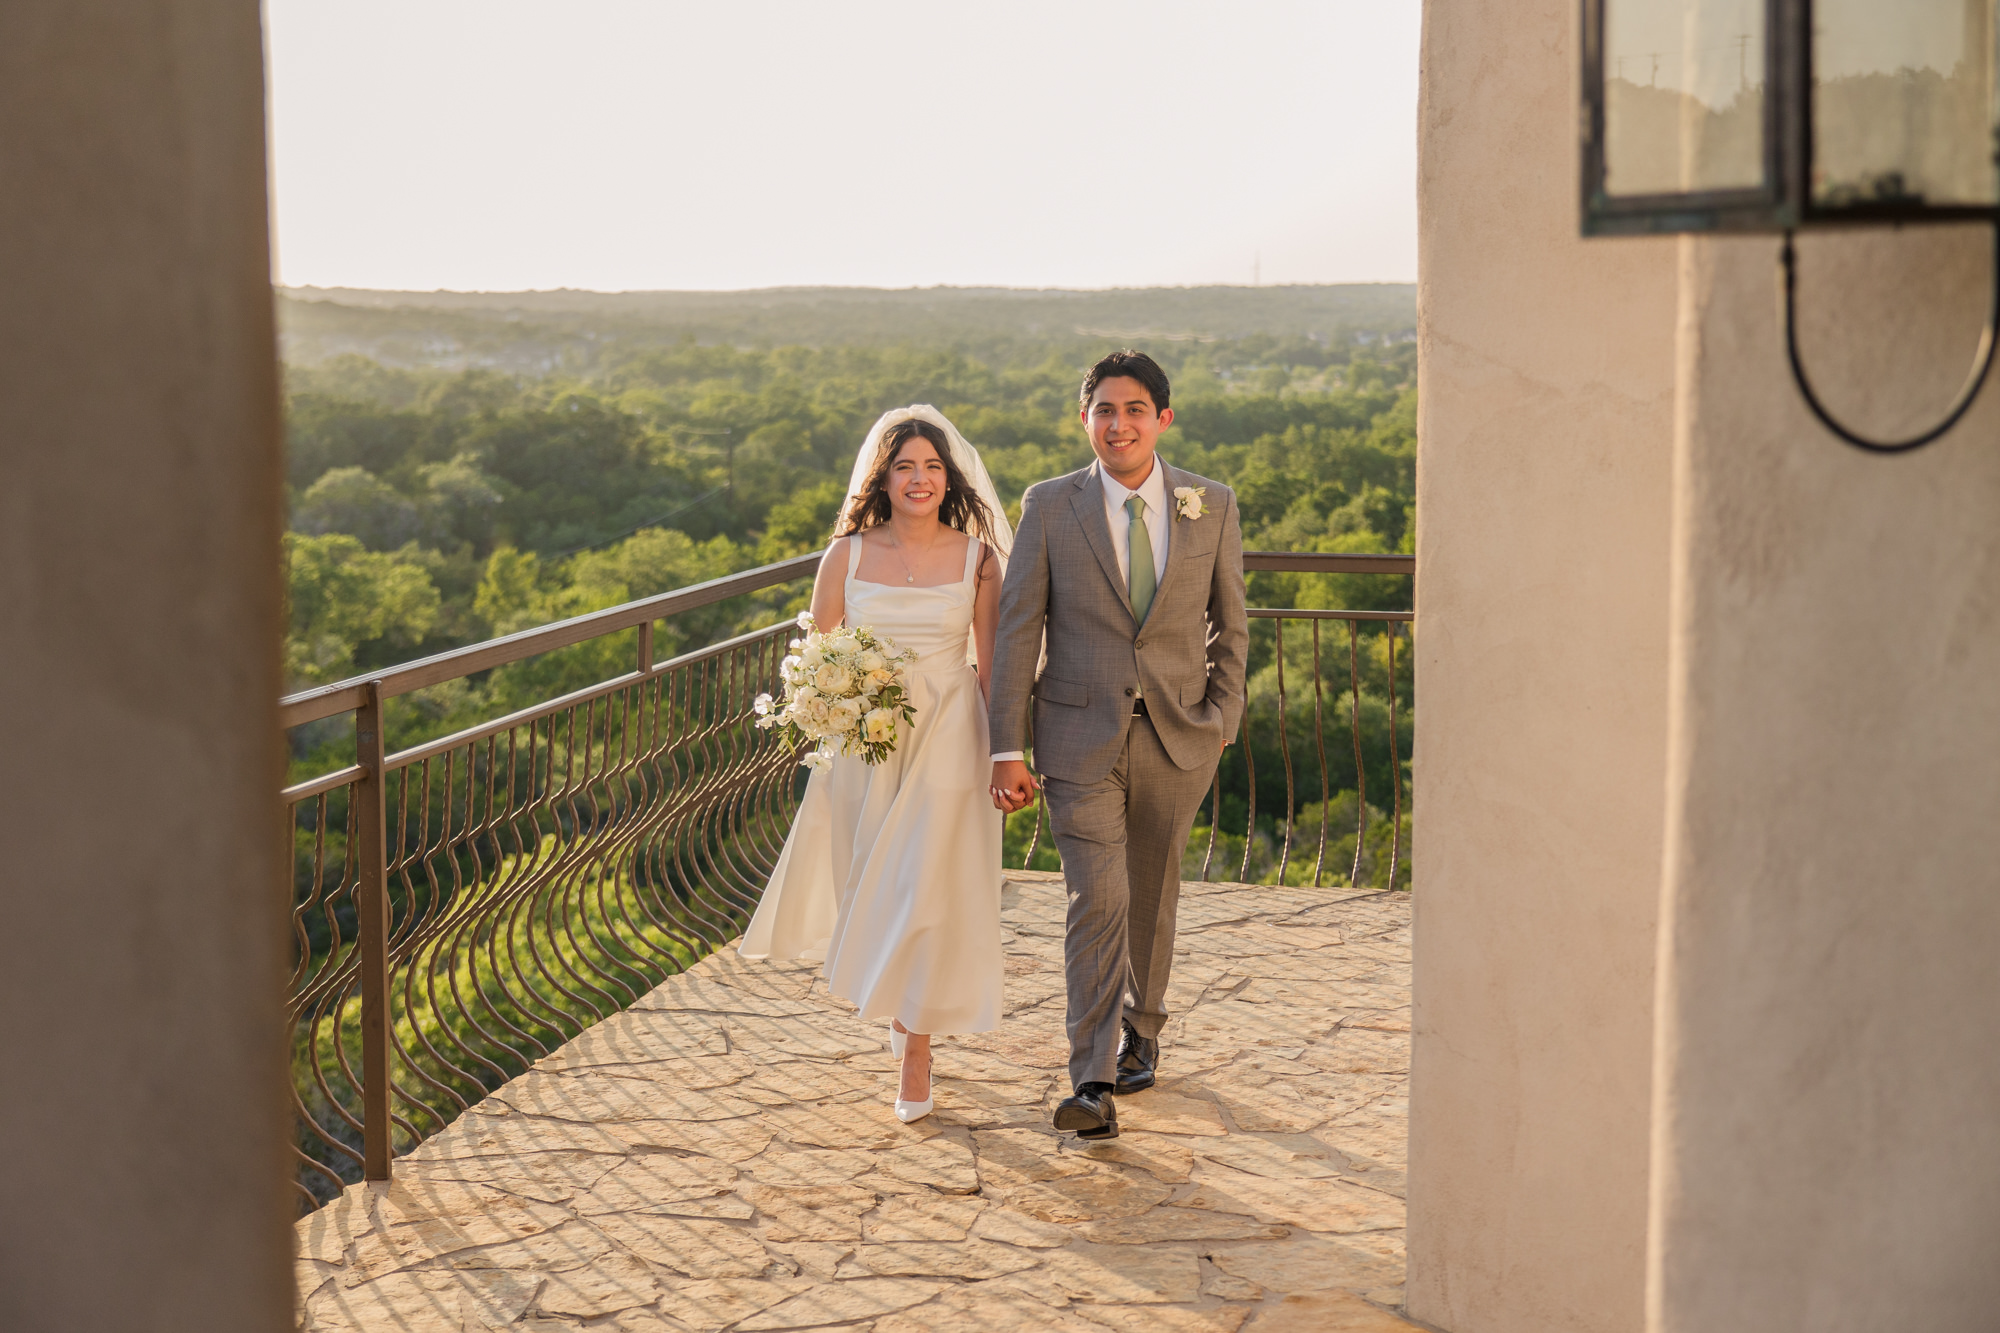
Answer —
722 1157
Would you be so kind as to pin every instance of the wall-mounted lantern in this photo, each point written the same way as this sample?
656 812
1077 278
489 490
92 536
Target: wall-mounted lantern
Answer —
1777 115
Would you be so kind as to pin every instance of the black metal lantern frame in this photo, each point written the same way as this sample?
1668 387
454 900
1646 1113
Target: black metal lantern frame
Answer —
1769 206
1781 199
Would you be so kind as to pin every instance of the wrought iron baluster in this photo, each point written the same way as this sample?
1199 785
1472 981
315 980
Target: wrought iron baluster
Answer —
1035 838
1360 767
305 902
589 870
1214 817
1250 787
1395 764
372 908
1319 742
509 893
1284 749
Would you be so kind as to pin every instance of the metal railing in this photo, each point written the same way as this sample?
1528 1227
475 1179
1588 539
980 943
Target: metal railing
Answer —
1277 725
1268 717
464 906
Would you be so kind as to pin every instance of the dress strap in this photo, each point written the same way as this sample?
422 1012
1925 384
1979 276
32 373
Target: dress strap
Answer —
853 554
972 548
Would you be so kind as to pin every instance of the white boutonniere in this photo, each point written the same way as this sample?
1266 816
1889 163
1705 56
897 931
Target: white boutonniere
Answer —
1187 501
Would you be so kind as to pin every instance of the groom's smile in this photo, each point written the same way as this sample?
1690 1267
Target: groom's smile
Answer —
1124 428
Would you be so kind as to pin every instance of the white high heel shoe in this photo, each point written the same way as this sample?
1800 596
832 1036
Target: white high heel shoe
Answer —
897 1040
908 1111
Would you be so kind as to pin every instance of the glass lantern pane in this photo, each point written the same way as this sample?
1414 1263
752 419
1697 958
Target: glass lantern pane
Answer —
1903 106
1683 95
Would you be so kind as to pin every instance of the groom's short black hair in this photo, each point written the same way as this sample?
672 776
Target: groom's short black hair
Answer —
1132 365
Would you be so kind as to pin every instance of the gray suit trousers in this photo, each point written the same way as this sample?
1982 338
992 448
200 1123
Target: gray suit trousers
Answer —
1121 839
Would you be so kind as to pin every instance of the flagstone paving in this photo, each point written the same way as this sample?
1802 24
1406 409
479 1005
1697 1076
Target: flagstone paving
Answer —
722 1157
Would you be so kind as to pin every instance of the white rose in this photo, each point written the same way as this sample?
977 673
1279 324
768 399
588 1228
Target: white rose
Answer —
811 656
846 645
870 686
833 679
881 725
871 661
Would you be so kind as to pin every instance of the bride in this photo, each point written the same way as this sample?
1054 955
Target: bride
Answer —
891 873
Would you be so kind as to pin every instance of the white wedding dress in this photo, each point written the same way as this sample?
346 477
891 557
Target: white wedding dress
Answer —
891 873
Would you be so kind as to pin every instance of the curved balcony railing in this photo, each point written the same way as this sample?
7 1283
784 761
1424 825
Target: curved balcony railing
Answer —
464 906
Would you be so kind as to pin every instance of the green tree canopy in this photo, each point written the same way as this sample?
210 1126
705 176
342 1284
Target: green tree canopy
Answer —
345 600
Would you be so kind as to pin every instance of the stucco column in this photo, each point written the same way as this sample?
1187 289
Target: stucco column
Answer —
1827 1152
1545 437
140 960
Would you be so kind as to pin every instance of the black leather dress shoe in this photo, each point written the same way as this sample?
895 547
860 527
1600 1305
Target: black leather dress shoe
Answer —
1138 1058
1089 1113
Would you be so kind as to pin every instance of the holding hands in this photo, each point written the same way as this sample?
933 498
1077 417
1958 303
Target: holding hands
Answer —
1013 786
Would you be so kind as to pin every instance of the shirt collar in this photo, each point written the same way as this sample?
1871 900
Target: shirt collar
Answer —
1153 490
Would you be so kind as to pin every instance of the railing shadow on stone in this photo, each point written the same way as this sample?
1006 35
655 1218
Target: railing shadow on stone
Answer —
468 904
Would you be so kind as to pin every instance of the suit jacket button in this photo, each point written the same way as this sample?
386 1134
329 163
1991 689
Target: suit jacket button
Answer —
1130 693
1140 644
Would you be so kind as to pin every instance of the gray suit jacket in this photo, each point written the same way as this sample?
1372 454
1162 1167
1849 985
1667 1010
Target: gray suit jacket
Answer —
1188 656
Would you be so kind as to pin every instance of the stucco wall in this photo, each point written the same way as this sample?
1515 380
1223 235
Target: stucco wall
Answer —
143 1122
1545 439
1828 1141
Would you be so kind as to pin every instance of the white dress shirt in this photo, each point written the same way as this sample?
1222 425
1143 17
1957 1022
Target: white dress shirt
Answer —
1153 491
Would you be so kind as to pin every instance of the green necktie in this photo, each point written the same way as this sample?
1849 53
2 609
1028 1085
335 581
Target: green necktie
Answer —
1140 581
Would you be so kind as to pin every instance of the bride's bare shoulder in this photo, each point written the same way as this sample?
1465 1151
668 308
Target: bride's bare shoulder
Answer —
838 551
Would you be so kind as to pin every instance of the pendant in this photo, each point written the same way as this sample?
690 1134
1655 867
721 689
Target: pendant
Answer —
912 578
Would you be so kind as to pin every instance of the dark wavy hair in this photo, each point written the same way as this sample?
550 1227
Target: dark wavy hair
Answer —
961 507
1131 365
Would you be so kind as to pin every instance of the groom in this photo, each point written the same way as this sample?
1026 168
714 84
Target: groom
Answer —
1135 571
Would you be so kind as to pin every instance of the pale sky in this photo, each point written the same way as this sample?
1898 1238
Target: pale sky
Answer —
655 144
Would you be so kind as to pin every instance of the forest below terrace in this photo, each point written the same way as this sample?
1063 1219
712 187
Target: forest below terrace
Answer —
460 467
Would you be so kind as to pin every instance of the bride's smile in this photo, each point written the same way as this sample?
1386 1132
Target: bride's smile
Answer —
917 480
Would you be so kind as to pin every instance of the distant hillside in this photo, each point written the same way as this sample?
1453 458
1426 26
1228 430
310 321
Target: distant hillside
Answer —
537 332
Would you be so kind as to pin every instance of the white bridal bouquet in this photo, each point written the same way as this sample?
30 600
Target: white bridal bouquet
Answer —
844 693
